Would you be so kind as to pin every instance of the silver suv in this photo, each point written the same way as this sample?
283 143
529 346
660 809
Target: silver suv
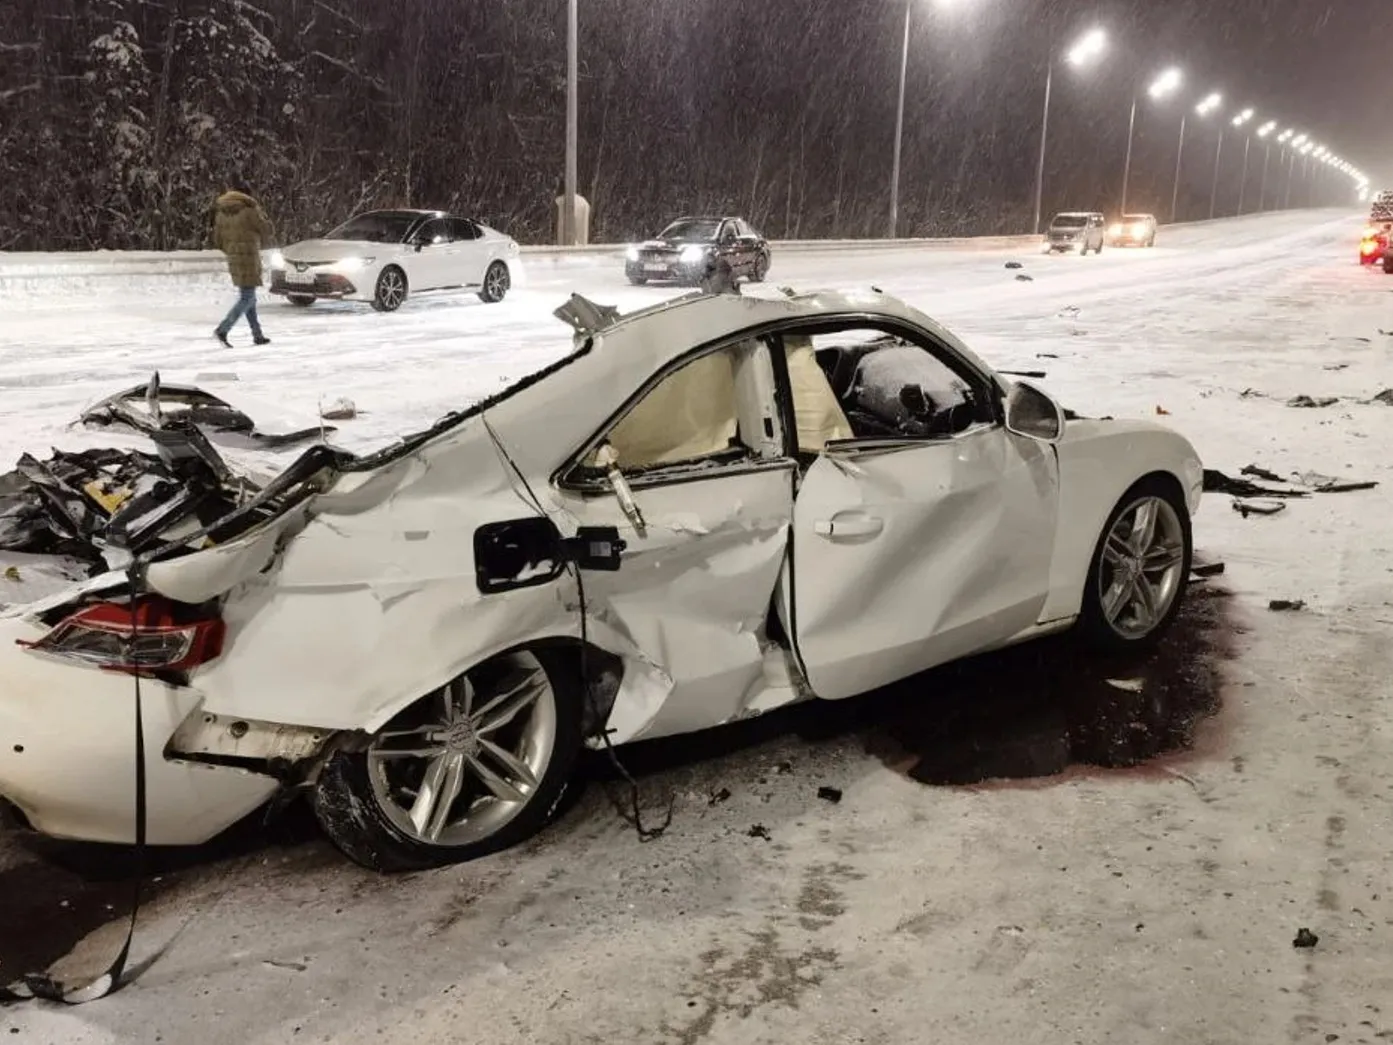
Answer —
1080 231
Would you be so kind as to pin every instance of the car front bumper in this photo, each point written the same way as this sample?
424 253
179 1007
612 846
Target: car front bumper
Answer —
324 285
666 269
67 761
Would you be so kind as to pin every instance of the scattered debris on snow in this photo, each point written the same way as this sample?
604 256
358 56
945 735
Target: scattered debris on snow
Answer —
1203 571
1336 366
1128 685
1312 402
830 794
1286 605
1162 411
1246 508
339 410
1305 938
717 797
1021 277
1385 397
148 408
1014 265
760 831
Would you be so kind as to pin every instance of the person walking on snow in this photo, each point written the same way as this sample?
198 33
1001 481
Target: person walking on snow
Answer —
240 230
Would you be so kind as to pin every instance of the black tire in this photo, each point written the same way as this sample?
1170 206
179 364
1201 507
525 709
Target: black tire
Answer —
391 291
1388 266
761 268
303 300
1151 242
1093 625
497 281
348 809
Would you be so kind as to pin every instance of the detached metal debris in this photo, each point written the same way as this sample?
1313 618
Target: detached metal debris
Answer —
101 507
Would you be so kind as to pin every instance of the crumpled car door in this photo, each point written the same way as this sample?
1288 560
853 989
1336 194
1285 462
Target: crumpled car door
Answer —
910 556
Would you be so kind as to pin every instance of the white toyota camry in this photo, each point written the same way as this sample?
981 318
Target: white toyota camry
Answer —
707 509
383 256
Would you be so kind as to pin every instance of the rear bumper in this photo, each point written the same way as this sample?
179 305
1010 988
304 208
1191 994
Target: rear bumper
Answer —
325 285
67 761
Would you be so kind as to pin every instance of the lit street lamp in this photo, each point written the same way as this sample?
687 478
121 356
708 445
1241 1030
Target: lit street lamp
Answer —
1089 47
1203 109
1165 84
1239 121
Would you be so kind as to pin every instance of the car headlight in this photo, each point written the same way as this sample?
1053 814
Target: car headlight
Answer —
1138 230
277 260
351 264
693 253
1116 230
631 253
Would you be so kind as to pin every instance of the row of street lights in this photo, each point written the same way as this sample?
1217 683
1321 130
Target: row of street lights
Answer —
1088 49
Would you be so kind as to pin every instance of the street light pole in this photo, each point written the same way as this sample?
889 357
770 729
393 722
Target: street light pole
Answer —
1214 191
1262 191
568 220
1044 138
1179 155
1127 165
899 126
1243 179
1291 169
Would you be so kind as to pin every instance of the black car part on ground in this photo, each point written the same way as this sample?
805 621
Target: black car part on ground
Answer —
167 403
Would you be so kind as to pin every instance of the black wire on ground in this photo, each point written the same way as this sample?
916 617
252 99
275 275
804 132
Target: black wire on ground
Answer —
634 815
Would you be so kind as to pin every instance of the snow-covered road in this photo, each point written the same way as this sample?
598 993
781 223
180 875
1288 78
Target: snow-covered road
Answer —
1132 906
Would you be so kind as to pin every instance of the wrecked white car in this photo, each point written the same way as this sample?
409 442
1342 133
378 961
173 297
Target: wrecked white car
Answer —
710 508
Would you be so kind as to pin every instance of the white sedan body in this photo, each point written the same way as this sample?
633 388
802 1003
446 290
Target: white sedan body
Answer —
435 251
772 554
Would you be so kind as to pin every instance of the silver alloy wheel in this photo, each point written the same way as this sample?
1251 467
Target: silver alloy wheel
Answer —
496 281
391 289
1140 576
457 766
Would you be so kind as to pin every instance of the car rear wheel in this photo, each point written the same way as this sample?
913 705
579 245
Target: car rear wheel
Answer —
391 290
477 766
303 300
496 283
761 267
1140 568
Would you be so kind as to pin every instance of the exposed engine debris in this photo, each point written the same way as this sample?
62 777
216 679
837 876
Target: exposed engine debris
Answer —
99 508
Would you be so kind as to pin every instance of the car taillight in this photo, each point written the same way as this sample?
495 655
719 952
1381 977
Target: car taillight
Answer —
153 635
1368 246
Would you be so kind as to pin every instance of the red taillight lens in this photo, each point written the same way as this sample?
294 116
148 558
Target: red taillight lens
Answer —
153 635
1368 246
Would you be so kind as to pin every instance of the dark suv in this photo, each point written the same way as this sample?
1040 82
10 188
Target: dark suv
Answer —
699 250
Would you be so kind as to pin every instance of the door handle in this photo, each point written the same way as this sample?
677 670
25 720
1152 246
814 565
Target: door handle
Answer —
849 525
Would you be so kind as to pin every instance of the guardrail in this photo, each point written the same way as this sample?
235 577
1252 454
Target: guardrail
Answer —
20 271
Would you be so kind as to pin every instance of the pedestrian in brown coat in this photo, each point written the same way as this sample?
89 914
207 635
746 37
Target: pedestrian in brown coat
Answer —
240 230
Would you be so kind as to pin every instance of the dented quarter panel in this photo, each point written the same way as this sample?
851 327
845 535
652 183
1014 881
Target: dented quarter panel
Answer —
1098 461
370 610
958 557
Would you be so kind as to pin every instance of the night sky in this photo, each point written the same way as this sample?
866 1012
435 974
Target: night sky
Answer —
1321 66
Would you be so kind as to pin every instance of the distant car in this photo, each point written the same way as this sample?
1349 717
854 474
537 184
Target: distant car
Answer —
1373 245
1134 230
1079 231
694 250
383 256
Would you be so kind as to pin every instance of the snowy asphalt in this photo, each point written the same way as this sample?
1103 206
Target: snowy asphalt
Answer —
1156 904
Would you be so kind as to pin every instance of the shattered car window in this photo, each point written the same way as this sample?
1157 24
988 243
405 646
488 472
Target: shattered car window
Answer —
689 416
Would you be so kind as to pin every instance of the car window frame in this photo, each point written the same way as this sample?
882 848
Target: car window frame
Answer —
566 479
940 349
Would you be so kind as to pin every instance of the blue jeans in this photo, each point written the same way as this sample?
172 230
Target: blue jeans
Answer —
245 306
